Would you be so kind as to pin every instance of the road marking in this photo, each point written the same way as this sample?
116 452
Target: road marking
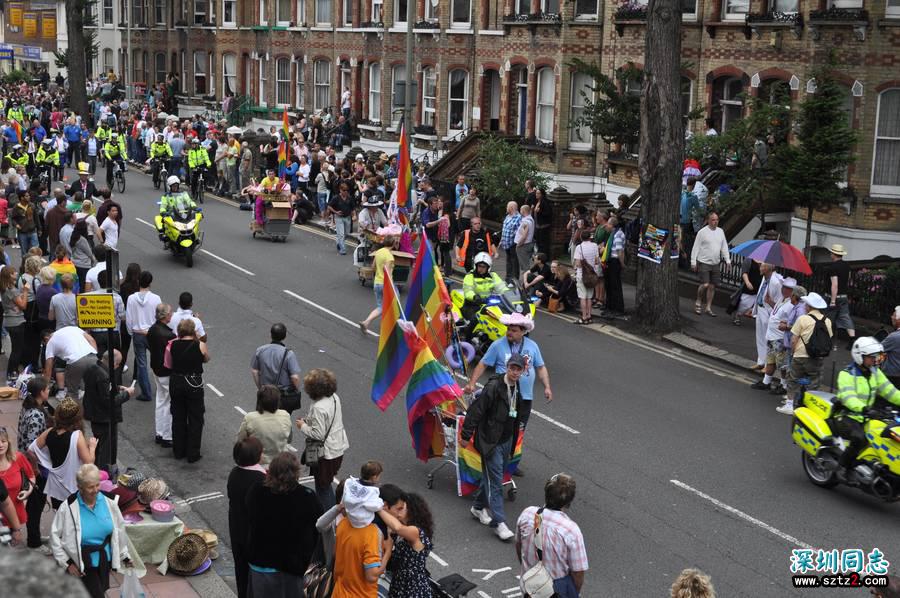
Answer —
193 502
490 572
512 592
483 595
239 410
438 559
226 262
142 221
327 311
748 518
291 447
200 498
214 389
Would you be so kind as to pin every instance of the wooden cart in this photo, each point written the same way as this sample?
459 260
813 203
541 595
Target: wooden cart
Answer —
277 224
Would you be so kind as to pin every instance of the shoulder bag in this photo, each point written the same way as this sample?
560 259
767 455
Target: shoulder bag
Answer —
537 582
290 396
315 449
589 276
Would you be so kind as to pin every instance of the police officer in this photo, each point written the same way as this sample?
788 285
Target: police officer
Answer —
47 158
198 161
114 151
160 150
478 285
17 157
175 200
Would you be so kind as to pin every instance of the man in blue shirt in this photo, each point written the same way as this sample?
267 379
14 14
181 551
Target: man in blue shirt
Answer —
515 342
461 191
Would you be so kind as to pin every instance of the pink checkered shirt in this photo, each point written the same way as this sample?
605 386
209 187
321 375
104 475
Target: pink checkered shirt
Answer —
564 550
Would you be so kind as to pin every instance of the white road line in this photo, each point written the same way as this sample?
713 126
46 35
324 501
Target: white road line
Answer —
227 263
189 498
291 447
483 595
239 410
512 592
438 559
761 524
193 502
142 221
214 389
327 311
490 572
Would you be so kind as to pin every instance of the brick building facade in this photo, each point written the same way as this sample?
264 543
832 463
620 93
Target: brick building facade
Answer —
504 66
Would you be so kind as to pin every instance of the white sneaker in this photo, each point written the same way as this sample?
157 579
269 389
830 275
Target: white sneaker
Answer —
43 549
60 395
503 532
787 408
481 515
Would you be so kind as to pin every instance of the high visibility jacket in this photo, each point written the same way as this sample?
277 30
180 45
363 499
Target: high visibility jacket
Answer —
160 150
465 246
482 286
112 150
176 202
17 114
198 157
856 391
102 133
20 161
44 157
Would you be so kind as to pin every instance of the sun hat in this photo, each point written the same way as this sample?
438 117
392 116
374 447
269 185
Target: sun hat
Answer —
789 283
815 301
837 249
517 319
152 489
373 201
187 553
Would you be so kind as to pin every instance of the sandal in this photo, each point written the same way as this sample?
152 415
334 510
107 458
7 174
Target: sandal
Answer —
580 321
711 313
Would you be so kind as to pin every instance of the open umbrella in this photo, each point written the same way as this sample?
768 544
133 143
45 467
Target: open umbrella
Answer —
234 130
776 253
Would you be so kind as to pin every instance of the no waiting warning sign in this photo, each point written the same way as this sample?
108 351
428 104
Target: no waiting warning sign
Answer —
96 310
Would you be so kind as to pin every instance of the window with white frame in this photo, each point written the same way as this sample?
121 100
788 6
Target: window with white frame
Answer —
841 4
461 13
546 96
301 95
159 12
107 60
582 91
229 73
184 72
785 6
301 12
159 67
92 13
458 108
727 102
398 93
378 11
137 12
429 95
431 10
550 7
892 9
200 81
400 8
523 7
200 13
322 83
689 10
283 81
687 88
263 80
375 92
263 18
886 162
735 10
586 9
348 12
229 12
283 12
323 12
107 12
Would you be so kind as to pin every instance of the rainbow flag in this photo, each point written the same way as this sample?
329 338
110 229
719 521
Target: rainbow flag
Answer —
468 462
18 129
427 288
404 170
395 361
282 158
430 385
285 125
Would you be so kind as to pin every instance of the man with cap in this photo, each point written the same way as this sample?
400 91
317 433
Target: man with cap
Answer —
84 184
775 350
838 275
891 343
802 365
372 217
492 423
114 151
798 309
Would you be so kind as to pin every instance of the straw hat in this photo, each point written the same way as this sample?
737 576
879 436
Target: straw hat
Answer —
187 553
838 249
152 489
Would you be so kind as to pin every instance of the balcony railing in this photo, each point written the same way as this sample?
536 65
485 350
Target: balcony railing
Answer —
629 14
857 18
791 20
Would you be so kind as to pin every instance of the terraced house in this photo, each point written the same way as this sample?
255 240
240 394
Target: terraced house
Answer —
504 66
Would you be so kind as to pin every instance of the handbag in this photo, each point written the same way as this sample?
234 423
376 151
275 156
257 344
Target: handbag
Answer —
537 582
734 301
290 396
553 305
318 581
315 449
26 483
589 276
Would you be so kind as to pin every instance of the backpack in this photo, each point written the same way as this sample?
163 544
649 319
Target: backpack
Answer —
819 343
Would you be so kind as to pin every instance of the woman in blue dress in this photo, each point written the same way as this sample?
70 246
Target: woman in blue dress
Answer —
411 524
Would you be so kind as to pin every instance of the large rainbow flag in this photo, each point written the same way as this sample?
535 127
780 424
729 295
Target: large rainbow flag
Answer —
395 360
285 125
18 129
427 288
282 158
430 385
404 170
468 462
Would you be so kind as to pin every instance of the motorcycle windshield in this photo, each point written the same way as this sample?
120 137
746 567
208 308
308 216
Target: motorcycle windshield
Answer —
184 215
511 299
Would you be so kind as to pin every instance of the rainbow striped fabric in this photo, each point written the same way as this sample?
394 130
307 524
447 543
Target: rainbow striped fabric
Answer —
285 126
430 385
428 299
395 360
282 158
468 462
404 170
18 129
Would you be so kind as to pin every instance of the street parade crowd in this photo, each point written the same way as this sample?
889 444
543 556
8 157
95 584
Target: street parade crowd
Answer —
365 536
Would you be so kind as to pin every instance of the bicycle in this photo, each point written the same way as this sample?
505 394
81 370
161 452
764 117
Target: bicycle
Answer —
160 173
198 186
118 177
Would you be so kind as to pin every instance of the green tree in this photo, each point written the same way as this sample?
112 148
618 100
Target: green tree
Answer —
614 114
811 173
504 166
78 14
88 35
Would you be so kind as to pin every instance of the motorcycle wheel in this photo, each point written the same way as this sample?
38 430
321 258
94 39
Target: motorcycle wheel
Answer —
189 257
816 474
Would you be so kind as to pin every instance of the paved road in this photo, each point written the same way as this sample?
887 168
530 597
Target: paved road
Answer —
678 463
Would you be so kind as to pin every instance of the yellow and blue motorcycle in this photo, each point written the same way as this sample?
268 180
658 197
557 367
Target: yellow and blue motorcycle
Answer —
180 232
488 326
878 465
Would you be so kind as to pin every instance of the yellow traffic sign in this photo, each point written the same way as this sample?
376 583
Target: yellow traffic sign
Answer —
96 310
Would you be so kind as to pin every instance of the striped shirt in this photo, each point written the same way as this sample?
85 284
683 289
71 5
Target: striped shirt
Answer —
563 543
510 226
617 243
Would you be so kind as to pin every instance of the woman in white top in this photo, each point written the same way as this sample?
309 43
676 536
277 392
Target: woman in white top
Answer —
303 173
271 425
88 214
586 253
324 423
110 228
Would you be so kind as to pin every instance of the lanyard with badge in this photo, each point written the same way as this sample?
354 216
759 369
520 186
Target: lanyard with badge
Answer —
511 393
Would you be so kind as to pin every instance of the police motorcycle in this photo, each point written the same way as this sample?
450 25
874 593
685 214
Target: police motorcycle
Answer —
179 228
877 467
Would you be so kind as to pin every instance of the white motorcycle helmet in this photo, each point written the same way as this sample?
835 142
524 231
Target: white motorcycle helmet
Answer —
483 258
172 180
865 346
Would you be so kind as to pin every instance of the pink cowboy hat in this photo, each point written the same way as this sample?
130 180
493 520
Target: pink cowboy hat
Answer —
517 320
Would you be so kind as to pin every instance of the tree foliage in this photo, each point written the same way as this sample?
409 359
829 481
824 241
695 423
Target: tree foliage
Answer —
613 114
504 166
88 36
